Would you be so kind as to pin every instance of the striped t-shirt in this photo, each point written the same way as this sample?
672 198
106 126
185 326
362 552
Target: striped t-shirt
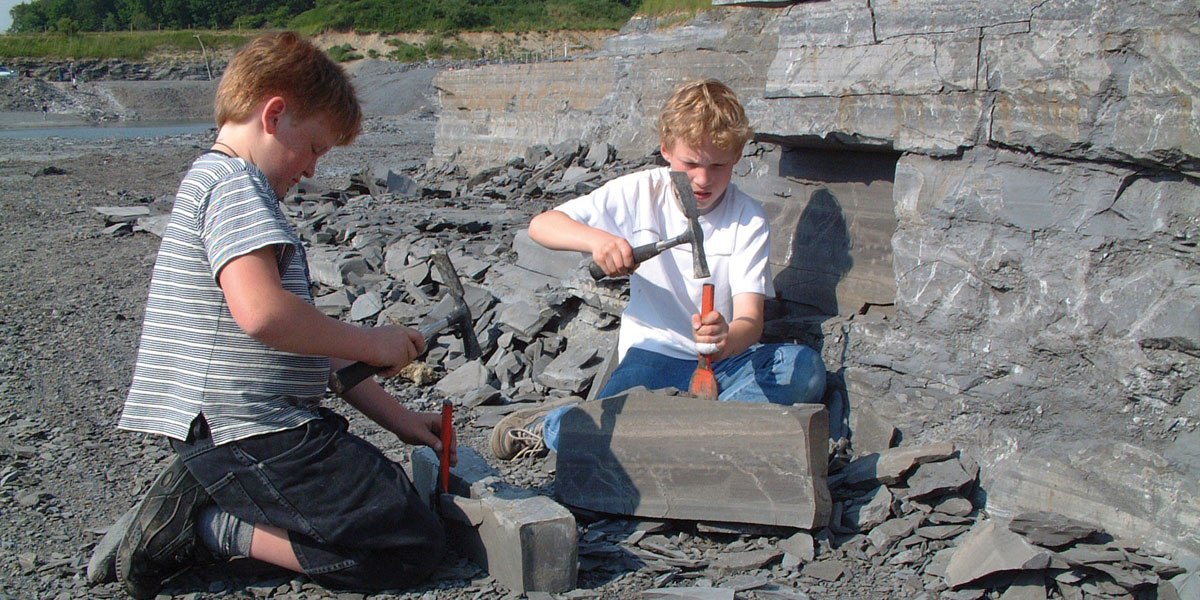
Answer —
193 357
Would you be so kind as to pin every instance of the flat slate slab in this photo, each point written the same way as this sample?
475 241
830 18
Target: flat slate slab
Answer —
677 457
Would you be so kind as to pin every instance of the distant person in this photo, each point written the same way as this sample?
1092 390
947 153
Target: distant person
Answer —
45 111
234 360
702 129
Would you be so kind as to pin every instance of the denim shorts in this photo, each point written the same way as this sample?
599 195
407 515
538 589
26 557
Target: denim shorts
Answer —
351 513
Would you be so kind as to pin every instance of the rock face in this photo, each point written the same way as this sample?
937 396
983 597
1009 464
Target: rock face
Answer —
992 207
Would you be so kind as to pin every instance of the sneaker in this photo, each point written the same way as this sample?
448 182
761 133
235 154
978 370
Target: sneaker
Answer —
161 541
519 434
102 568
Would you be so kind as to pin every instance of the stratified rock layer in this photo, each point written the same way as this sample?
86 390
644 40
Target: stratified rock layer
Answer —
998 201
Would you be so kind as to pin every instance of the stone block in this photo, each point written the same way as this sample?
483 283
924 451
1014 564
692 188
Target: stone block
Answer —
1050 529
911 66
524 319
988 549
465 380
604 370
832 221
872 433
908 18
122 214
891 465
688 593
472 469
526 542
647 454
571 370
559 264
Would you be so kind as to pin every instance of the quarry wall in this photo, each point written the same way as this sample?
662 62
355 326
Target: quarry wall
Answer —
992 209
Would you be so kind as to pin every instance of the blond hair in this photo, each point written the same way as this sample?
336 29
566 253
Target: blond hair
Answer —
287 65
703 111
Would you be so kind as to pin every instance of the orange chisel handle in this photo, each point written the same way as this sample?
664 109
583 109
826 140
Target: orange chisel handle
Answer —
447 435
706 306
706 299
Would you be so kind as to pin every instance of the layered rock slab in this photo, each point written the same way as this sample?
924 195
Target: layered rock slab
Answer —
648 454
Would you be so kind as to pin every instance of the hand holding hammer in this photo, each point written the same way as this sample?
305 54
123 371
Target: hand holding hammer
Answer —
459 320
693 235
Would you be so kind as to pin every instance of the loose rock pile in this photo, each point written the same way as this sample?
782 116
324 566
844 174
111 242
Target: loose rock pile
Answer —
908 522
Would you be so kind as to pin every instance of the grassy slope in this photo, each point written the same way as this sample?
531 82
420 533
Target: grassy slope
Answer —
146 45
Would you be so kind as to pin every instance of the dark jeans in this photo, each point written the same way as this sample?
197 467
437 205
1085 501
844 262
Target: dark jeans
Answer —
352 515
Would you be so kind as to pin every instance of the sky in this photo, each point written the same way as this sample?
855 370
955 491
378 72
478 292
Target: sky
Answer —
5 18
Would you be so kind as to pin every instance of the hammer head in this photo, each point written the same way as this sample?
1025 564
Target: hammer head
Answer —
460 316
683 189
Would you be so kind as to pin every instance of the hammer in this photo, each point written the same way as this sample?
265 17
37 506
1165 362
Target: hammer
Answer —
694 235
459 318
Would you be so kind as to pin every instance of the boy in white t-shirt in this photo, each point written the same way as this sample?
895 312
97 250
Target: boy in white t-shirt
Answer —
703 129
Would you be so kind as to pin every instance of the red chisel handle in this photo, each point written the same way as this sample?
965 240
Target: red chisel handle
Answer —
447 435
706 306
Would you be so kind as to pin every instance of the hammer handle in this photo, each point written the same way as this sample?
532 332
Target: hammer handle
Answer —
347 377
642 254
447 436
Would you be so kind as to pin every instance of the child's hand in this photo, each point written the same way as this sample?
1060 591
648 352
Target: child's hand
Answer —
395 347
424 429
710 332
615 256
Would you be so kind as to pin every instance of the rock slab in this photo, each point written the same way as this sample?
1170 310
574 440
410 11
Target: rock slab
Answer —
652 455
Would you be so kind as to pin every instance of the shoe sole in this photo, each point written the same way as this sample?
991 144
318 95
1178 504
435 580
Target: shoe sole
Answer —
102 568
156 499
496 441
543 409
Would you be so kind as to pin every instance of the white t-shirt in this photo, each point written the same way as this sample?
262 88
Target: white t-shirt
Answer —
642 208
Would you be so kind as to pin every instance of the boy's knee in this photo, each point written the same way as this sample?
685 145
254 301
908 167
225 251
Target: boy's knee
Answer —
798 357
808 372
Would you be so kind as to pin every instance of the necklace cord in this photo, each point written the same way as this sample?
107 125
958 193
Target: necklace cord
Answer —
228 147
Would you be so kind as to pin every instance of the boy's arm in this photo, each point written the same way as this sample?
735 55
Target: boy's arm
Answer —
276 317
269 313
736 335
556 230
417 428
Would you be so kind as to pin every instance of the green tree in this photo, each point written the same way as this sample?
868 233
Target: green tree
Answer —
469 17
89 14
67 25
176 14
28 18
140 14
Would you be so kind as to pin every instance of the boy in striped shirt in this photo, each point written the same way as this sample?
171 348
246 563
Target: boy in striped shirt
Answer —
234 360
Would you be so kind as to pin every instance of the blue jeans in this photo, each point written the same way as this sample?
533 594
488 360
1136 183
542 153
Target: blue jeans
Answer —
352 515
776 373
